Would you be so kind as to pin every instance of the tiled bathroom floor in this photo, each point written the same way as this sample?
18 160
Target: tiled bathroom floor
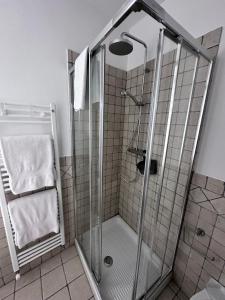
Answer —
172 292
62 278
59 278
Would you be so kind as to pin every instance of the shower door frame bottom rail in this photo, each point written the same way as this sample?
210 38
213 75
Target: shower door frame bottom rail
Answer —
89 274
158 287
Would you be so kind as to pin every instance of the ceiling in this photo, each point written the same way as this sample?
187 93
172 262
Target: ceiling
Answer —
108 8
134 23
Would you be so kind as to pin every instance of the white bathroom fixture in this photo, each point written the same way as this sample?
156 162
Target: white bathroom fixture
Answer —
22 119
213 291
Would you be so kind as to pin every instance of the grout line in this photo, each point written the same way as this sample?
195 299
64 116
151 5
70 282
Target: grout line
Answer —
30 281
66 286
26 286
40 276
42 294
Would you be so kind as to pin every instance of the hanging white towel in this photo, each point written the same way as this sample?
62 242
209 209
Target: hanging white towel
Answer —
95 77
34 216
80 80
28 161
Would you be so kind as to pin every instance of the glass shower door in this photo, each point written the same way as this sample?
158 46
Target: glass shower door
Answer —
162 132
96 104
179 93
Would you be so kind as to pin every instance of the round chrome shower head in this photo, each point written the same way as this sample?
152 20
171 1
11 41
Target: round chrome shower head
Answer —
121 46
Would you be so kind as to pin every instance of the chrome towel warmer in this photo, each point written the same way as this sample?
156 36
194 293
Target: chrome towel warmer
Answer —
34 115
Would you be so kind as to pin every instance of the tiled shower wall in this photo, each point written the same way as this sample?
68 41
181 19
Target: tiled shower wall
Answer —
115 80
201 257
172 199
131 180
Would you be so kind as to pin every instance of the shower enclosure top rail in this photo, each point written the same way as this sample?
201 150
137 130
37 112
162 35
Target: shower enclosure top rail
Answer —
159 14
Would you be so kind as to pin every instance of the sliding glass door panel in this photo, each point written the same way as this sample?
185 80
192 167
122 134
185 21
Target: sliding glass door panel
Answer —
96 103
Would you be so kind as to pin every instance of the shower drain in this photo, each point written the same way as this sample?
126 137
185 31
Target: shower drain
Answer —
108 261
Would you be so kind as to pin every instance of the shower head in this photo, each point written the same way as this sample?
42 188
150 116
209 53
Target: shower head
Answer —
121 46
132 97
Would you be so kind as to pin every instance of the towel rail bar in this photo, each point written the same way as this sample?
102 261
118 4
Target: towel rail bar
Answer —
41 244
22 257
45 250
26 114
26 121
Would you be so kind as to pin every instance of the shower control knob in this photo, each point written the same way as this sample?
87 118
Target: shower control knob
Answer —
200 232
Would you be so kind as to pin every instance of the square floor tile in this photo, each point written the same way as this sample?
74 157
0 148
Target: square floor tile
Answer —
61 295
80 289
173 286
181 296
69 253
31 291
11 297
28 278
7 289
167 294
53 281
73 269
50 264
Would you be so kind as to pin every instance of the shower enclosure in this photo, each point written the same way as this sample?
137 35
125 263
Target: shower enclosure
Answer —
134 147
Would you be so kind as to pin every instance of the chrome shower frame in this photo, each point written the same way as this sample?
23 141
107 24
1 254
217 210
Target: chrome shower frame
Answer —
178 33
152 8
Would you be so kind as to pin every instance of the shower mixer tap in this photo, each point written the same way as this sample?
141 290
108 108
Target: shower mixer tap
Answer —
123 46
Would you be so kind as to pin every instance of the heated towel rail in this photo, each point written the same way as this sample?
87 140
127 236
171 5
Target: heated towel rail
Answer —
30 114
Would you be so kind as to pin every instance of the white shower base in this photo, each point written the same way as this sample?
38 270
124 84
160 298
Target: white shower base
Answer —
120 242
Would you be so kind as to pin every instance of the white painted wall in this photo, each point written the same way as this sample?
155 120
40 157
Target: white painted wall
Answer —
34 37
147 29
199 17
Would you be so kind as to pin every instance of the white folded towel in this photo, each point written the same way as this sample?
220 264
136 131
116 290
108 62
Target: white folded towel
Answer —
80 80
95 87
28 161
34 216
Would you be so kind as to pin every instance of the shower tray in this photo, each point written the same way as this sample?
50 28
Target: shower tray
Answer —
120 243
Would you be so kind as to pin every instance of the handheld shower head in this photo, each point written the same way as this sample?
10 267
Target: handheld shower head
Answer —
132 97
